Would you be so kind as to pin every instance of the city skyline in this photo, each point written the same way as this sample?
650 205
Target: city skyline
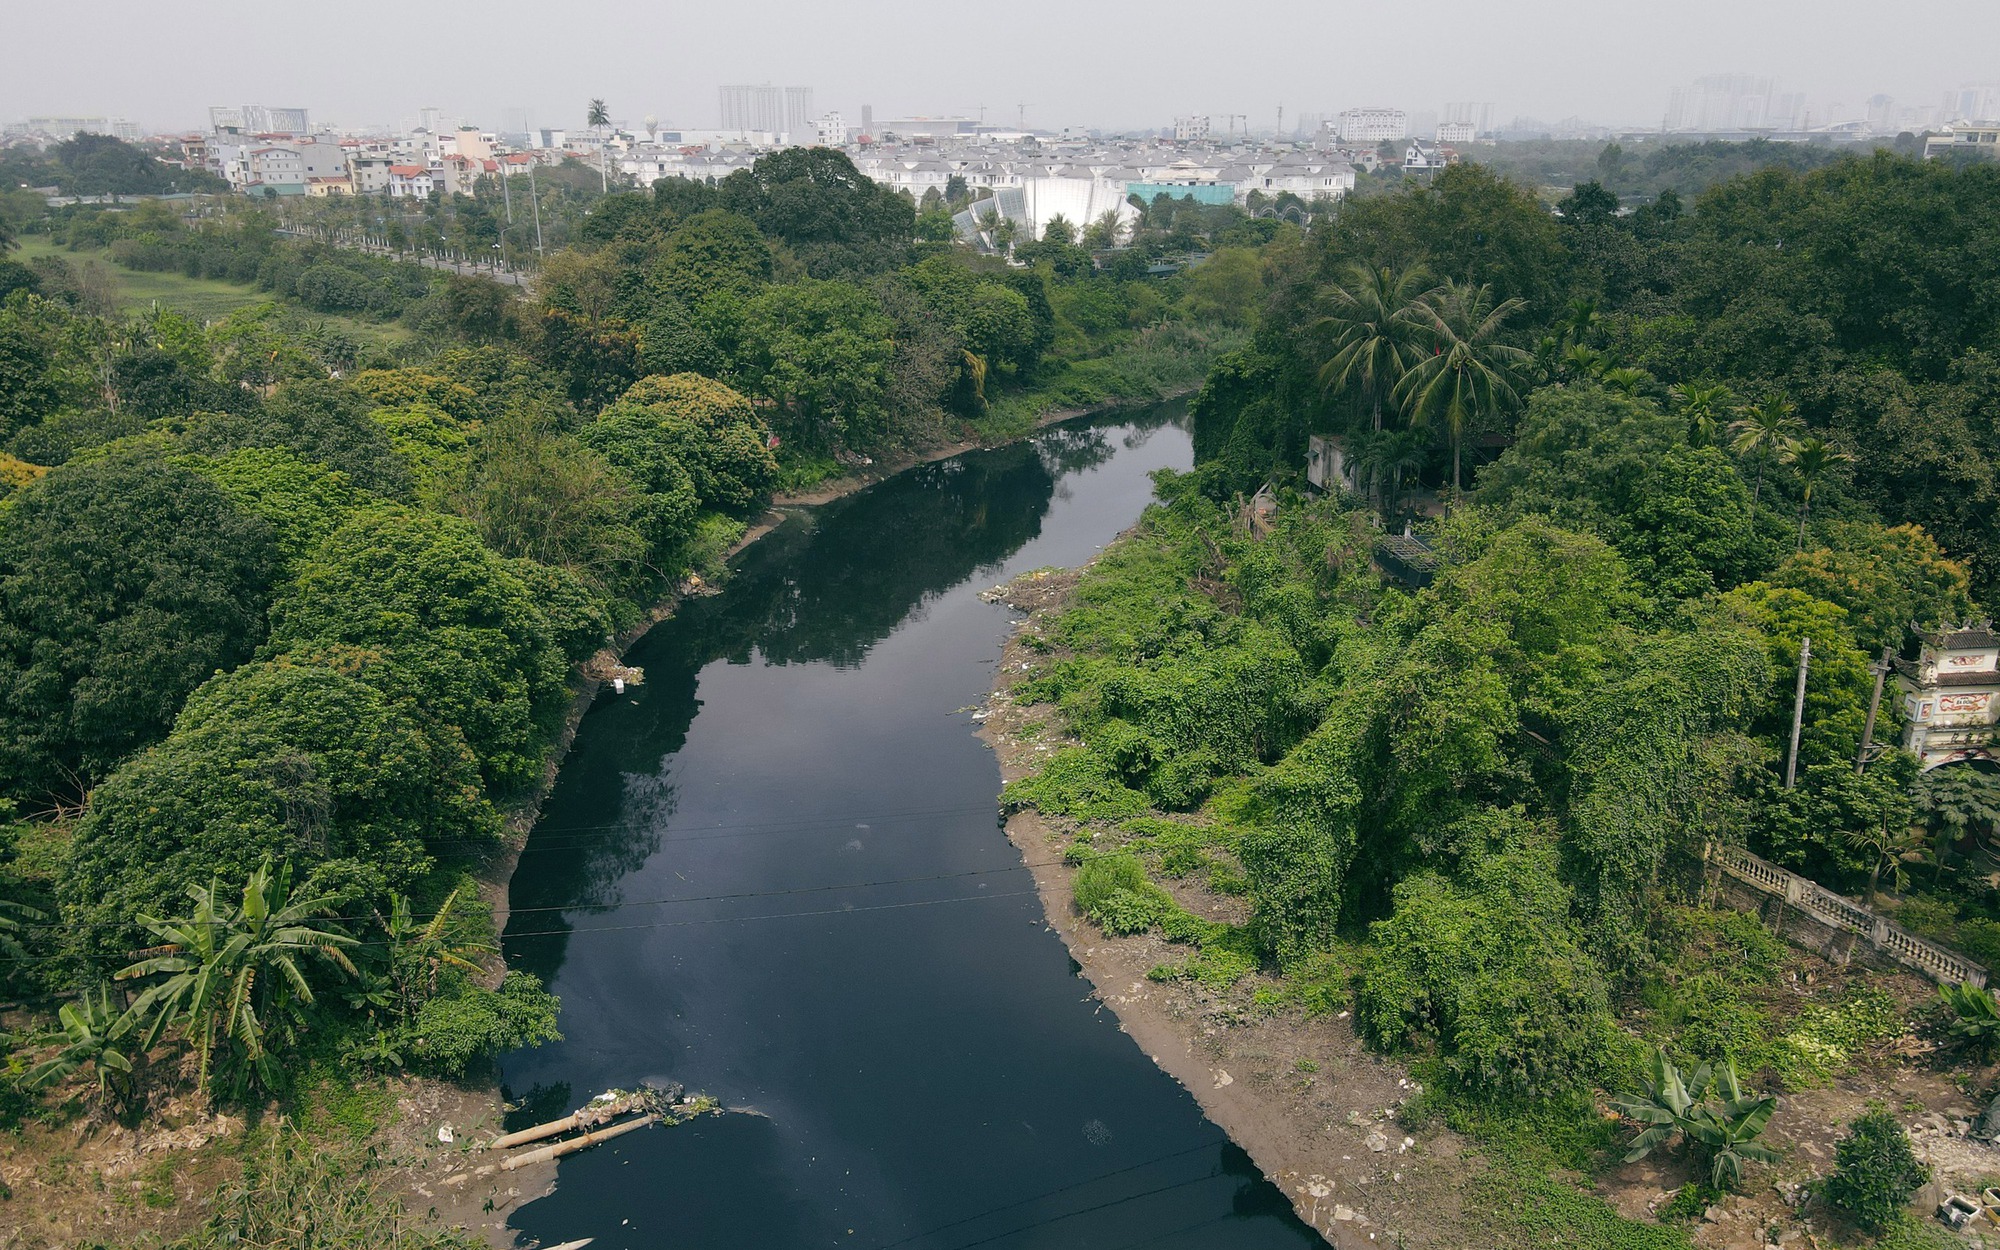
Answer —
1543 59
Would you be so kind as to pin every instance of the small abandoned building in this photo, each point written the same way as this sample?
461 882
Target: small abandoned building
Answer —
1951 695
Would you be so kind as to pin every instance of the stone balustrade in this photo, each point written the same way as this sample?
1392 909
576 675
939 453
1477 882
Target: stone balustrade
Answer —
1836 911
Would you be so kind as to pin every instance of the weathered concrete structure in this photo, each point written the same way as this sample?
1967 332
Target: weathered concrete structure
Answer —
1951 696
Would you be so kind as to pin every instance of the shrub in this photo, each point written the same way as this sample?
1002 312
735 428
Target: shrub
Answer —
1493 977
1116 894
1077 782
467 1023
1875 1171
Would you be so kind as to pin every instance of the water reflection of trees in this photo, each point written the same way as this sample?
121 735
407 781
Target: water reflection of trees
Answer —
825 587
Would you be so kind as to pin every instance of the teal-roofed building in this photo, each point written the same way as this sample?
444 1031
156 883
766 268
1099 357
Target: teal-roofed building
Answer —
1203 192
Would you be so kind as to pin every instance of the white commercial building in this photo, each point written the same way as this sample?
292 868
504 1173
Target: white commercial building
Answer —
832 128
1374 125
1190 129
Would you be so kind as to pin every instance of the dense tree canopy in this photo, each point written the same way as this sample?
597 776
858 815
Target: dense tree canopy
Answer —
125 583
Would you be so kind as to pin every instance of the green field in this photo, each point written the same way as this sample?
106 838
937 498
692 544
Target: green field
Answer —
204 299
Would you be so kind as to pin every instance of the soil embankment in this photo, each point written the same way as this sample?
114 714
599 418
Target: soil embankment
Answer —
1314 1109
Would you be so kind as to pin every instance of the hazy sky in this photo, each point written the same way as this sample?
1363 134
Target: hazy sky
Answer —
1070 61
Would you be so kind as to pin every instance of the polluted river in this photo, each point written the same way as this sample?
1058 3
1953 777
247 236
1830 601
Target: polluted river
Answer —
775 874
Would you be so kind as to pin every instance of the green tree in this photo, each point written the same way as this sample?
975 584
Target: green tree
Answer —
302 501
1884 578
1374 333
597 117
665 429
1470 373
1874 1171
124 583
1762 433
308 761
536 492
713 251
1490 973
1228 287
1814 460
233 973
820 351
1726 1132
459 631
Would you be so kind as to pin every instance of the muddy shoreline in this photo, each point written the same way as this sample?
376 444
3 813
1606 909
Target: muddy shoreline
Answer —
1301 1096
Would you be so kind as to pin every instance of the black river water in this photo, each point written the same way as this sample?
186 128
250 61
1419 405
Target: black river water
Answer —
775 874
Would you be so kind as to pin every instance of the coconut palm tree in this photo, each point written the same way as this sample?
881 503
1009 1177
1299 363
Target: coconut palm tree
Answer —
1762 431
1703 407
1469 373
1814 460
1371 334
233 971
598 118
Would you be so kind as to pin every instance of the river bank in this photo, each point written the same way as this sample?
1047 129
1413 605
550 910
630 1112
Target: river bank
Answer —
442 1182
1313 1108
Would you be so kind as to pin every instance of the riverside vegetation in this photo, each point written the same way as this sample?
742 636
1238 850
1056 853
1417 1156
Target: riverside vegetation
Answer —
290 617
1474 814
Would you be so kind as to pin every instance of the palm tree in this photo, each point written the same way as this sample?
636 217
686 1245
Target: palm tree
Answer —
1814 460
1580 361
1374 339
1890 847
1703 407
1628 380
1579 322
1469 372
233 970
93 1032
598 118
1105 231
1762 431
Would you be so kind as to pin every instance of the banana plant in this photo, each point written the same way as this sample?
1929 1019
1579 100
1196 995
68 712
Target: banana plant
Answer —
1975 1015
93 1032
1728 1132
1671 1105
232 971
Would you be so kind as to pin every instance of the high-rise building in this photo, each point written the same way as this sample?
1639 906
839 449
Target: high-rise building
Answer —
1973 101
1373 125
1478 115
868 120
259 119
1190 129
752 108
798 113
1722 102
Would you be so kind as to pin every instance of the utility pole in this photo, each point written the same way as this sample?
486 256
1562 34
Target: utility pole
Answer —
1798 713
535 195
506 192
1881 670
